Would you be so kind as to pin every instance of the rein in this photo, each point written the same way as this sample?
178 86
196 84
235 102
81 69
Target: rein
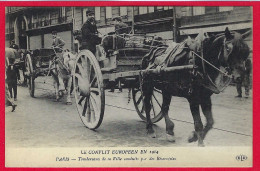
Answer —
213 66
211 85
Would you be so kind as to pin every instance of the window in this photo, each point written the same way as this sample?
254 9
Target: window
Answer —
97 13
198 10
209 10
68 13
142 10
165 8
158 8
108 12
84 15
225 9
150 9
63 13
123 11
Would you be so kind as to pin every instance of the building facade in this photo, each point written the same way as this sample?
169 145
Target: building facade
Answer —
31 27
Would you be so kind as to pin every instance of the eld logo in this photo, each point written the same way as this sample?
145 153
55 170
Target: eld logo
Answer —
241 157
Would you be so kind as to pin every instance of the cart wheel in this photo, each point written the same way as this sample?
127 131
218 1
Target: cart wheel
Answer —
89 89
29 73
156 105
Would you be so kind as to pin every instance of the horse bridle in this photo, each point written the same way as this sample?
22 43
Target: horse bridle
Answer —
213 86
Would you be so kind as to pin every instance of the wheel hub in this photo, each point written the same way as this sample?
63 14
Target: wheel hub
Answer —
84 87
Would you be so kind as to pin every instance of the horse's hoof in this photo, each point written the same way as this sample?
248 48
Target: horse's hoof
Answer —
56 100
201 144
151 134
60 93
170 138
193 137
69 103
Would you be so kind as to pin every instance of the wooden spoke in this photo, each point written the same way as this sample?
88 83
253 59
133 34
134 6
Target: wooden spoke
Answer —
89 110
81 99
158 91
95 108
93 81
81 70
157 100
85 107
139 100
140 108
89 69
95 91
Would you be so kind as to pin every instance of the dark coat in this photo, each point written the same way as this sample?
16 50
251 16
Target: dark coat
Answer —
89 37
12 74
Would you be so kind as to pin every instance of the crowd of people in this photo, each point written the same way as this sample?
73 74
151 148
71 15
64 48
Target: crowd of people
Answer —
90 38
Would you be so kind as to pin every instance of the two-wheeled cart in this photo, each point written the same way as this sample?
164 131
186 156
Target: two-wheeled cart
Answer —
116 64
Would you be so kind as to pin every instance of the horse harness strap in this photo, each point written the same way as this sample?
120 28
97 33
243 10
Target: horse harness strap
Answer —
64 66
225 73
212 86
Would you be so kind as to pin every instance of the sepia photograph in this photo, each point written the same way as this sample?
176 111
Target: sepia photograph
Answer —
120 86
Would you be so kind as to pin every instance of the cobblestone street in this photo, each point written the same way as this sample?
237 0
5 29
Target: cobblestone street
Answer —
41 122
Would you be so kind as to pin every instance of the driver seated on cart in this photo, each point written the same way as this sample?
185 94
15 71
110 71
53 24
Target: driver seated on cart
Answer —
120 26
89 33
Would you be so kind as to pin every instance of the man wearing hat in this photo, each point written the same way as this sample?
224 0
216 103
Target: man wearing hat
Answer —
120 27
57 41
90 33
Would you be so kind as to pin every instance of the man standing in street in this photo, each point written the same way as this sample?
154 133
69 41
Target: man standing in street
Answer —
90 33
245 80
12 74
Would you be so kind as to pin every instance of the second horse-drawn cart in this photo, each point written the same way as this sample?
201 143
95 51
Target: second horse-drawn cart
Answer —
116 64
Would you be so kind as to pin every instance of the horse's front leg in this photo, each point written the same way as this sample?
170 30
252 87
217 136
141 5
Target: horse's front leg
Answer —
165 109
207 111
198 134
56 87
147 93
60 80
69 84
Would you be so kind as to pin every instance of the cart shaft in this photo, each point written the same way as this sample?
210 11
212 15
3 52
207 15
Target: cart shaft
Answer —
113 76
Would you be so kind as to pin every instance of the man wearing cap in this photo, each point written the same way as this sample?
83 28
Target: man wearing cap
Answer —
57 41
120 27
90 33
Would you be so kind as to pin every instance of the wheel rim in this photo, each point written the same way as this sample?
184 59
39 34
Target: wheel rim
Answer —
90 105
156 105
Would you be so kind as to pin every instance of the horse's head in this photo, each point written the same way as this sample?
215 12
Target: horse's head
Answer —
235 53
228 50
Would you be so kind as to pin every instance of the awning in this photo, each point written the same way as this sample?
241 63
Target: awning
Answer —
221 28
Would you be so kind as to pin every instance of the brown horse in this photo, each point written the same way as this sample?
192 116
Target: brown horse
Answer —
214 57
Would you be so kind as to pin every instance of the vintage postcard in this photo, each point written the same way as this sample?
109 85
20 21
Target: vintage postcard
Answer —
119 84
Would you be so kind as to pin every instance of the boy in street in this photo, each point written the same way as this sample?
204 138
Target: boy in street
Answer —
12 74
